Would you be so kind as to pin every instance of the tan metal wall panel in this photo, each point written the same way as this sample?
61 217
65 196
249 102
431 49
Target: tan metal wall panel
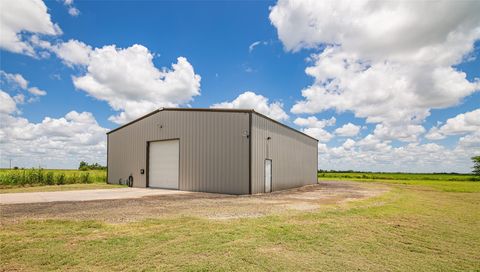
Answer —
293 155
214 153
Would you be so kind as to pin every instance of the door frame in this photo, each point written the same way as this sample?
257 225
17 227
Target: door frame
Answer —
147 168
265 175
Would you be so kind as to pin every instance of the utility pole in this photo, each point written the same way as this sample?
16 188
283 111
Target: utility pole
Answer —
10 164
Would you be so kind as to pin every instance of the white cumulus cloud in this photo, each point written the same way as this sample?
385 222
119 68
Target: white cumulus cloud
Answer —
19 98
16 82
53 142
73 52
405 133
19 18
312 121
470 144
389 62
461 124
320 134
348 130
128 80
72 10
348 144
7 103
251 100
36 91
372 154
315 128
17 79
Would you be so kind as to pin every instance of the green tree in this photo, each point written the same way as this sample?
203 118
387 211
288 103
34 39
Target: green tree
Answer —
83 166
476 165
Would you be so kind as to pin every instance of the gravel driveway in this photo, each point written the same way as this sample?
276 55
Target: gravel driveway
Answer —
206 205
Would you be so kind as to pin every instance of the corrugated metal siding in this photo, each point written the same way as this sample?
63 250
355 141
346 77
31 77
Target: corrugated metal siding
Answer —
214 153
293 155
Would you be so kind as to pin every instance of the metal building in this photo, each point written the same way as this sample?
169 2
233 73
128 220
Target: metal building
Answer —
211 150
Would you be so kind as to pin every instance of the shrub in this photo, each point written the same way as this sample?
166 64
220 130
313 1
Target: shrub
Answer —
84 178
72 178
34 176
29 177
60 179
49 178
13 178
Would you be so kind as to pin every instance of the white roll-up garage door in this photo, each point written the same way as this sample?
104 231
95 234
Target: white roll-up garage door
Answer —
163 164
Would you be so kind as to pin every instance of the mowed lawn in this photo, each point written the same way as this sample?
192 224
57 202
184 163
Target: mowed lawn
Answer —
417 226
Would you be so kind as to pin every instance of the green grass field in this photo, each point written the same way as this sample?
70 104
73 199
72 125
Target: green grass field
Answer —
416 226
397 176
443 182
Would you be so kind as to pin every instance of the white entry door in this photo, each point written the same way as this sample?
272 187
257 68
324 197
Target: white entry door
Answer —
268 176
163 164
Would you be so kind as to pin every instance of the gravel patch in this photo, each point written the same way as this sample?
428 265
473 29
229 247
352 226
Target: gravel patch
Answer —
205 205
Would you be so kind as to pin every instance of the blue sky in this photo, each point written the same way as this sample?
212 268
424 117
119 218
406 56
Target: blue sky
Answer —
213 36
248 54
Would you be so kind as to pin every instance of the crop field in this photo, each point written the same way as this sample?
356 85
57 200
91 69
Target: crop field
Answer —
444 182
408 225
44 177
398 176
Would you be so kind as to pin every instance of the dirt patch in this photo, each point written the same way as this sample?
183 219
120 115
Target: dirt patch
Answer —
213 206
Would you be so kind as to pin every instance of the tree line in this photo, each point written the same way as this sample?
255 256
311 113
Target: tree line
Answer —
85 166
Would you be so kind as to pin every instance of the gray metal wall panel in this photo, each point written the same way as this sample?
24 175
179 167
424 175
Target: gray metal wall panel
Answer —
214 153
293 155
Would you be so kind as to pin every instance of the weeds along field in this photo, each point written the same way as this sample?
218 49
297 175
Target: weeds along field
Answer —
35 177
398 176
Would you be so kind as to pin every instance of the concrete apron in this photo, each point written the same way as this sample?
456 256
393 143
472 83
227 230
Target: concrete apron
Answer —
83 195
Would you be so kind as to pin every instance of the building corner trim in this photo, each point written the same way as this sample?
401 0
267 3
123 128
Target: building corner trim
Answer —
108 155
250 135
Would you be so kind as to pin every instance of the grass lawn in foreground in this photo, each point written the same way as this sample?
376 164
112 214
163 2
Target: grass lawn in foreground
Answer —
410 228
